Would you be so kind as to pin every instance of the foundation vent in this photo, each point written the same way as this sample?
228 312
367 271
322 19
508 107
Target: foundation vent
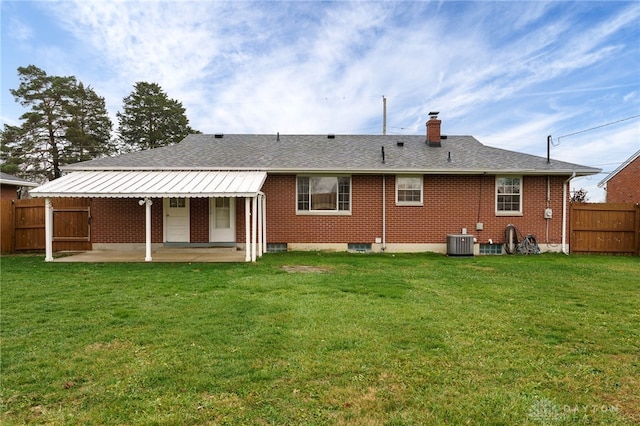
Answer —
359 247
277 247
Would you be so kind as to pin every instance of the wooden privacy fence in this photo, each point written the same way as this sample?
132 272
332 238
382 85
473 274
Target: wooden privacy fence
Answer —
23 222
605 228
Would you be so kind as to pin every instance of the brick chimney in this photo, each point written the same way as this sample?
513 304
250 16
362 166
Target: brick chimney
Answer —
433 129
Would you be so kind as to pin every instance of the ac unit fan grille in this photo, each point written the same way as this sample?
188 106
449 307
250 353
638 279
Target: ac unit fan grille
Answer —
459 245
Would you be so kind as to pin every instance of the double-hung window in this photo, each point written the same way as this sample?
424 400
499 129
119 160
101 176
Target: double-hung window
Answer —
323 194
409 190
509 195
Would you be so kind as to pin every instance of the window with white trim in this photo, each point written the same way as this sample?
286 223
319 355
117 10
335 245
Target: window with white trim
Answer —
323 194
409 190
177 202
509 195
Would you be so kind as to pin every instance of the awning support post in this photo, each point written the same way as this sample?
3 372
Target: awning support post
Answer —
247 229
260 213
148 203
48 230
254 220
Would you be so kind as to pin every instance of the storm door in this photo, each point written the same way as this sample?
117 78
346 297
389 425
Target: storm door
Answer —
222 220
176 220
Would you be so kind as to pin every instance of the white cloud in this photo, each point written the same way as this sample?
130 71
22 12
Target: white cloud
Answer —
19 31
508 72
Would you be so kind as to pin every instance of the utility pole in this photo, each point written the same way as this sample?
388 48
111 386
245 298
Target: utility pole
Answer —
384 115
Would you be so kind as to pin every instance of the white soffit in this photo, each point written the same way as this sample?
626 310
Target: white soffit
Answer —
134 184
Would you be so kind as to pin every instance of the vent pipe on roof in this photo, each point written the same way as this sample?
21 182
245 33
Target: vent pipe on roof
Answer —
382 149
331 136
218 135
278 136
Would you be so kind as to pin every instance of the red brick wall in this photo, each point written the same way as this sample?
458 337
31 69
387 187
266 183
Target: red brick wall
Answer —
199 220
284 226
122 220
8 192
624 187
240 225
450 204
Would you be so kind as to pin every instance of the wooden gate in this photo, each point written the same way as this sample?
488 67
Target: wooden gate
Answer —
28 223
605 228
23 224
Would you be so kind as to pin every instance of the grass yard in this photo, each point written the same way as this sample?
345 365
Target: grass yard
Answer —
323 339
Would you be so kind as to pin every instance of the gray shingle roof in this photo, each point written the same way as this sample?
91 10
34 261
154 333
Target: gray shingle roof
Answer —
343 153
8 179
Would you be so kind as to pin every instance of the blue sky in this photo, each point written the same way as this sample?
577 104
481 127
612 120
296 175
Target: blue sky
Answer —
508 73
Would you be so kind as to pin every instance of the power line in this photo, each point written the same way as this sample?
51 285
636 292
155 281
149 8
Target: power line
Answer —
598 127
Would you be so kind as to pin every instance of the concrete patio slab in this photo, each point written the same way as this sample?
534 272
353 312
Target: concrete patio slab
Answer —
165 254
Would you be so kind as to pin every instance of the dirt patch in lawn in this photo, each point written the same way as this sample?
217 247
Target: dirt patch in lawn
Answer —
305 269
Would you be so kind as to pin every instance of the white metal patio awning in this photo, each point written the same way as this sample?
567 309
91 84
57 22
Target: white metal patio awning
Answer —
163 183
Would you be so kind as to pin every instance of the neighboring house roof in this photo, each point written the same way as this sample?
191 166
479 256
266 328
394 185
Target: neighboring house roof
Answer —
7 179
619 169
333 153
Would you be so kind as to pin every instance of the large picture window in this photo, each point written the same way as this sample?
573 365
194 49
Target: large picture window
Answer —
409 190
509 195
324 194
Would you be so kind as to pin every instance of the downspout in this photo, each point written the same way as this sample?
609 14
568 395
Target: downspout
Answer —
564 214
384 214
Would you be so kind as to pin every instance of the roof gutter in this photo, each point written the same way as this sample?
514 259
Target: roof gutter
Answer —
529 172
22 183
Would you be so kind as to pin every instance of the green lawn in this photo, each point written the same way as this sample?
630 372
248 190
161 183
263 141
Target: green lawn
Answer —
358 339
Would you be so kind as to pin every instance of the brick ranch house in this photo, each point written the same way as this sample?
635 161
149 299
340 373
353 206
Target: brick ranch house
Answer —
623 184
319 192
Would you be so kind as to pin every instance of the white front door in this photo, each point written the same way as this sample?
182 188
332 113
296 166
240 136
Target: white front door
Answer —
222 220
176 220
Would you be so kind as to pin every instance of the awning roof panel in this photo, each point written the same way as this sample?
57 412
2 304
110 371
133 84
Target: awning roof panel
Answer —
133 184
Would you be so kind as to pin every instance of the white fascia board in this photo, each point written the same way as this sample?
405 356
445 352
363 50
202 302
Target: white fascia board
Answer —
18 183
528 172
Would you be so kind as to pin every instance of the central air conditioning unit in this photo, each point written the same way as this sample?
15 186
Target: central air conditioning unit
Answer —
459 245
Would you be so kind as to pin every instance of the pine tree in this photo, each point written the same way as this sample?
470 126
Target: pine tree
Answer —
89 130
150 119
54 131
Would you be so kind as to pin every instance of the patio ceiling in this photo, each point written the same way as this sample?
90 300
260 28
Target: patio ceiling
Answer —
164 183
